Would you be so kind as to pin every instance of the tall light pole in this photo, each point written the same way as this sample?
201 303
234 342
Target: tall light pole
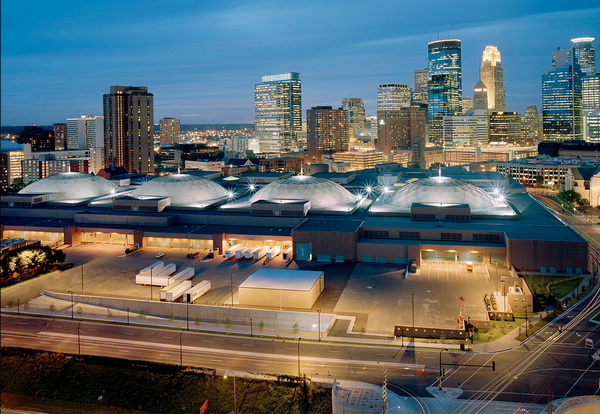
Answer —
82 279
79 338
181 347
151 274
187 316
72 303
234 391
231 276
299 356
319 316
441 372
526 321
413 311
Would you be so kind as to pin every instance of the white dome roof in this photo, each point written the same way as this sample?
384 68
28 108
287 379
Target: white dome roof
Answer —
183 189
71 186
440 191
321 192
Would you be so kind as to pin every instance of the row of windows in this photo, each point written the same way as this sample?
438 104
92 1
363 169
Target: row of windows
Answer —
415 235
495 238
458 217
451 236
420 216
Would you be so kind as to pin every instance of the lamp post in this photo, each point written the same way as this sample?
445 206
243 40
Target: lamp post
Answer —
441 373
319 325
187 316
299 356
231 276
181 346
79 338
18 307
526 321
234 391
72 304
251 333
413 310
82 279
151 274
503 294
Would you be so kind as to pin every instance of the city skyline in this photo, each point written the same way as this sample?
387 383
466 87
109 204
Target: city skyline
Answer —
58 65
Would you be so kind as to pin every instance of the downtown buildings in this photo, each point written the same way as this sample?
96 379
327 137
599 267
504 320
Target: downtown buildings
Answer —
278 110
129 128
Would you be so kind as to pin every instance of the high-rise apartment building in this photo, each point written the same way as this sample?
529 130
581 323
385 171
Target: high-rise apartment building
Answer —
85 132
401 129
327 130
393 96
492 76
480 96
419 95
129 128
356 112
170 128
278 111
60 136
590 93
12 155
444 84
585 54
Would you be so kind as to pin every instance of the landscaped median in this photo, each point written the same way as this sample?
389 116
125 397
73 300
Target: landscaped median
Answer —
60 383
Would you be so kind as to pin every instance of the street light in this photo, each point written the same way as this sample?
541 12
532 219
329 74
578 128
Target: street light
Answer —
72 304
181 347
319 316
526 321
79 338
231 276
441 373
234 392
82 279
187 316
151 274
413 311
299 356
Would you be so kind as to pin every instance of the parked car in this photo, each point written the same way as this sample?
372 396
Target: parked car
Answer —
159 255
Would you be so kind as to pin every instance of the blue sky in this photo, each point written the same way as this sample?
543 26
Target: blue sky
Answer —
201 58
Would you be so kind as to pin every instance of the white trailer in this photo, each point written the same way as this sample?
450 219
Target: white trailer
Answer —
260 253
174 292
287 253
274 252
239 254
195 292
185 274
248 254
232 250
167 271
154 267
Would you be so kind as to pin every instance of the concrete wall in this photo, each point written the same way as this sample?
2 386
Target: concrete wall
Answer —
533 254
278 297
329 243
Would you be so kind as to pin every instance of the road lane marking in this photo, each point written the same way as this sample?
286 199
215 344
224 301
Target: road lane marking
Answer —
248 345
128 333
168 337
337 352
381 354
164 355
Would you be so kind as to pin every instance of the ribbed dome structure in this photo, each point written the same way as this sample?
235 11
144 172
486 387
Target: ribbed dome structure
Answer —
183 189
443 191
321 192
71 186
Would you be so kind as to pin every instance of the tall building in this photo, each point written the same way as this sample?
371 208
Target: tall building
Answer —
532 124
60 136
471 129
393 96
492 76
561 97
12 155
444 84
327 130
480 96
356 112
39 138
278 111
401 129
590 93
129 128
420 91
585 54
505 127
85 132
170 128
467 104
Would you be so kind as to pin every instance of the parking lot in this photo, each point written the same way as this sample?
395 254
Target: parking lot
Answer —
380 297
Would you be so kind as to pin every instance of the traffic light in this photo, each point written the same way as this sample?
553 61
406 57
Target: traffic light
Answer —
494 366
559 328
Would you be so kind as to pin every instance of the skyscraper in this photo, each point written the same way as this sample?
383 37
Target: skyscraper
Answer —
85 132
585 54
444 84
129 128
60 136
420 92
561 94
327 130
532 124
492 76
356 112
170 128
278 111
392 96
480 96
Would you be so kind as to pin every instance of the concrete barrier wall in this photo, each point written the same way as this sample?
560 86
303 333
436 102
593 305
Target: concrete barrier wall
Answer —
205 315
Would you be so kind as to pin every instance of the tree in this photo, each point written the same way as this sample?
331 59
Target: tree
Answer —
539 180
570 196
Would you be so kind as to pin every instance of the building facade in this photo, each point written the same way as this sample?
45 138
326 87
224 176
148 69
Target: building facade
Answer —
85 132
60 136
129 128
327 130
278 111
170 128
356 112
505 127
393 96
419 95
585 54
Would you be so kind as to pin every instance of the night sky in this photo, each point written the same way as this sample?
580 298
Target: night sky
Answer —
202 58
